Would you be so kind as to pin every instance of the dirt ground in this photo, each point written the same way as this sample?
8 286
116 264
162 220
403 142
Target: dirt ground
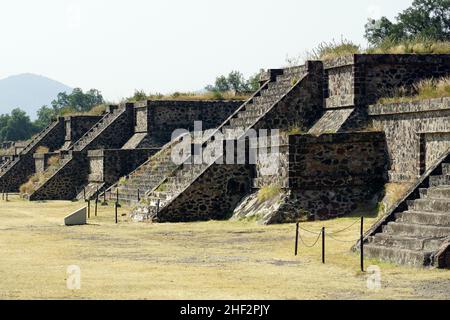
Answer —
206 260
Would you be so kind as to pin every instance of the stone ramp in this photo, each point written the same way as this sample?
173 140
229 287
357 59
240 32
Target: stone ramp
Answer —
135 140
417 231
331 121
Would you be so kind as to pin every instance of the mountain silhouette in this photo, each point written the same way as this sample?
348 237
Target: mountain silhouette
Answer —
28 92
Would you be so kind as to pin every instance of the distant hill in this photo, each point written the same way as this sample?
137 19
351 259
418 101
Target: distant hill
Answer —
29 92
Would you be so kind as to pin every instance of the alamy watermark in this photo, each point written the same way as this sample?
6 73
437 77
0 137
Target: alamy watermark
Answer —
228 146
374 279
73 280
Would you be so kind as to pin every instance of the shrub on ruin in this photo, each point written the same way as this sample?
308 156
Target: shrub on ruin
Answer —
424 89
42 150
53 161
268 192
333 49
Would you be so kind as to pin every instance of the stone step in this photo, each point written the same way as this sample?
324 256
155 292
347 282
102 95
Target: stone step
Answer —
280 85
296 70
250 114
400 177
436 192
275 92
442 180
232 133
430 204
424 218
446 169
396 255
243 122
134 189
406 242
261 108
418 230
265 99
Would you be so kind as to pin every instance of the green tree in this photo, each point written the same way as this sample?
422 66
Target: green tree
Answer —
45 115
78 100
429 19
237 81
17 126
139 95
221 84
234 81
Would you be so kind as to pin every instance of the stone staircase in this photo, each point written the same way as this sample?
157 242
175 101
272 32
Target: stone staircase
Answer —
146 177
17 170
90 191
67 156
418 233
29 148
244 119
98 128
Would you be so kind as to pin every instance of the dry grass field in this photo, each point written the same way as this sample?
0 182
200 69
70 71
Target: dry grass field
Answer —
207 260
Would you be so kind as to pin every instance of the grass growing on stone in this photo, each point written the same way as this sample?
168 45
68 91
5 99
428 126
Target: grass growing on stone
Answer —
413 46
336 49
268 192
39 178
42 150
424 89
205 260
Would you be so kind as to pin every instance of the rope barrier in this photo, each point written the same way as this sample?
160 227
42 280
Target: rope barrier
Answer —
332 236
345 241
346 228
309 246
309 231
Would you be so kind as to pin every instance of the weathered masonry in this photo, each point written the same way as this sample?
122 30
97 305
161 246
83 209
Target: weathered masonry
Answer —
124 138
59 135
333 150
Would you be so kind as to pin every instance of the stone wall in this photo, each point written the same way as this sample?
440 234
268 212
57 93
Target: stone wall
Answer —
19 173
160 118
323 177
77 126
41 160
356 81
302 106
65 183
360 80
213 195
416 132
110 165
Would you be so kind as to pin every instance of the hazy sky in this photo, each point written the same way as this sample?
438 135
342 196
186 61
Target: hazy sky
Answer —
169 45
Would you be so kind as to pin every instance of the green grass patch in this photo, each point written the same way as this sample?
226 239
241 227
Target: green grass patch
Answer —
268 192
424 89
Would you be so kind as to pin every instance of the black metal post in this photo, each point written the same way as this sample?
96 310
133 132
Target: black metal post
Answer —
296 238
117 198
96 203
104 203
115 212
139 196
6 197
362 244
323 245
3 194
89 209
